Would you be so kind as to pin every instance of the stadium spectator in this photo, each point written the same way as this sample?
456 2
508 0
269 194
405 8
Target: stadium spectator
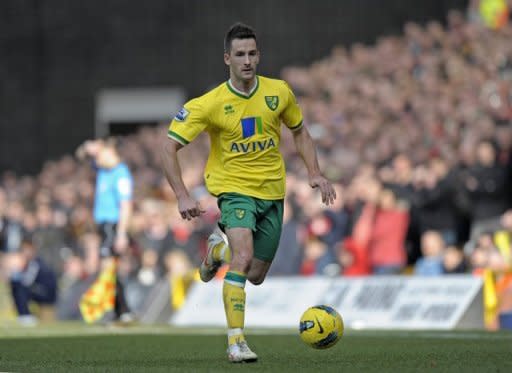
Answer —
433 252
485 255
353 258
155 233
51 240
318 259
330 225
454 261
76 279
12 227
382 227
434 196
144 279
488 188
31 280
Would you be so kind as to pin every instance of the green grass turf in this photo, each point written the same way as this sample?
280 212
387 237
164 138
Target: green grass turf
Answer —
75 348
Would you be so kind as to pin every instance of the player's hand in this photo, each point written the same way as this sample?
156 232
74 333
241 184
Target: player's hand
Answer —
326 188
189 208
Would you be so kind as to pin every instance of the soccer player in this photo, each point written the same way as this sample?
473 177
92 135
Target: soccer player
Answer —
245 170
112 208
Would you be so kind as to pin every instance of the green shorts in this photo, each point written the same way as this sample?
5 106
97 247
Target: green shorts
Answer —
263 217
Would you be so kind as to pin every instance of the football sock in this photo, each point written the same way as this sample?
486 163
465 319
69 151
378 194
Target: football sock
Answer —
235 335
233 294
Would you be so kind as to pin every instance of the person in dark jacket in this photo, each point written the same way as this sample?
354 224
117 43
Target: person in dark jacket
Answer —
31 280
488 188
434 201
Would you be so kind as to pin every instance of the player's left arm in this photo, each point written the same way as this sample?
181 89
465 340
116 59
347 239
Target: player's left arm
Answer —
307 150
125 193
292 118
125 213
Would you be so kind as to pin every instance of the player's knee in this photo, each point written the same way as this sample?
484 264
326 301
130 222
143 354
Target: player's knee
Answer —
242 259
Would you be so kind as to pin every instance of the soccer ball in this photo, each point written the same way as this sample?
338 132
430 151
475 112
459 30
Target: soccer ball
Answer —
321 327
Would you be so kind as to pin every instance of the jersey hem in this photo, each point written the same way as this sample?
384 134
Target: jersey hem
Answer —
254 195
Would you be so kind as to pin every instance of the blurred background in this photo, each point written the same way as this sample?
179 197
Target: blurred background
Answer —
410 104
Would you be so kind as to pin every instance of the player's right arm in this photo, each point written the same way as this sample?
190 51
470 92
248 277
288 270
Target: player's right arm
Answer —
90 148
189 208
186 125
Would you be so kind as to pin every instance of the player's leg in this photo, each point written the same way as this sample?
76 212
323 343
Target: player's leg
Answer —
233 293
121 310
13 265
238 219
21 297
266 239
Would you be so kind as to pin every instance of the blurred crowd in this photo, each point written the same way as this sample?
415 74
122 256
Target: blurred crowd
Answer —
415 130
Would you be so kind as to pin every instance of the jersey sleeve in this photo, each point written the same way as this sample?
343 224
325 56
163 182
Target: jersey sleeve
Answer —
291 115
188 123
124 184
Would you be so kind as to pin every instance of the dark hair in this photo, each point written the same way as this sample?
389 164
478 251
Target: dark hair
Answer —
114 142
238 31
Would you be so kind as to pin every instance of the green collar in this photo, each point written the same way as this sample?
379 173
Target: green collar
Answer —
242 94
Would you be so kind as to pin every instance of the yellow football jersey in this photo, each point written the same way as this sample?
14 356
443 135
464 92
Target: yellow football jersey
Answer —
245 132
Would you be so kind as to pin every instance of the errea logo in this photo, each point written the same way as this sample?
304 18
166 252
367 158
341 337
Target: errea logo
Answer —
228 109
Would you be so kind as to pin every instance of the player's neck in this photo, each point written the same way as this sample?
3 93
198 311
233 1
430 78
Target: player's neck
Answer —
242 86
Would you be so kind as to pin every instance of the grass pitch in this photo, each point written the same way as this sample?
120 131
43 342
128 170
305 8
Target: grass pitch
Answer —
78 348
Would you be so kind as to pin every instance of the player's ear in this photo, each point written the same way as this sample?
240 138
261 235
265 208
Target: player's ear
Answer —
226 58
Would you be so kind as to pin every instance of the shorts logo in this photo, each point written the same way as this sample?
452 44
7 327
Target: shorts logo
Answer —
181 115
272 102
251 126
239 213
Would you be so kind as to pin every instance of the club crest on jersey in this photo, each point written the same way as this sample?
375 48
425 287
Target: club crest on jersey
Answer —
182 115
272 102
239 213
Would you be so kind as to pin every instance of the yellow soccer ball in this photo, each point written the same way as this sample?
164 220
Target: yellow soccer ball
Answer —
321 327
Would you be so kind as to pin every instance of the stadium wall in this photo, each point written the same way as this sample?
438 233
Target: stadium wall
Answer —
55 55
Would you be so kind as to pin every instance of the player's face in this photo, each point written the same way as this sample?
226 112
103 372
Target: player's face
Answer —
106 158
242 59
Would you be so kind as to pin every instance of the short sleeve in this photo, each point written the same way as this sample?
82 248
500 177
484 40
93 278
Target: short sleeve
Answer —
291 115
188 123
